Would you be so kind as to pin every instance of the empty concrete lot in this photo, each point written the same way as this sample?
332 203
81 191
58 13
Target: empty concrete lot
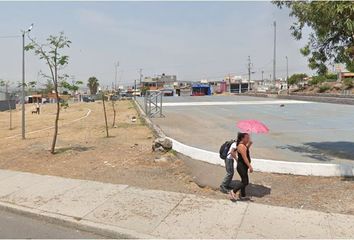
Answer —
299 131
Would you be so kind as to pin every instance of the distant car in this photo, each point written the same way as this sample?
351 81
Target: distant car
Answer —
123 93
115 98
88 99
137 93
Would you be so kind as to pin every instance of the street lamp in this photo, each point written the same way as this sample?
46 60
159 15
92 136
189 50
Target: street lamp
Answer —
23 80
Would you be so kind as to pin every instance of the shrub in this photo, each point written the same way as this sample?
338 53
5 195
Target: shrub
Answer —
324 88
329 77
297 77
348 82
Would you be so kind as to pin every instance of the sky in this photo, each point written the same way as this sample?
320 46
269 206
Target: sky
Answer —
193 40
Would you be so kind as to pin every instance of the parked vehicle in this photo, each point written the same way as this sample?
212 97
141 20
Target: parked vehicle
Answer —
137 93
115 98
88 99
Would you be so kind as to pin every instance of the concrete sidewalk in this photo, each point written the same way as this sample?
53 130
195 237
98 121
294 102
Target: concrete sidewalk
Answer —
124 211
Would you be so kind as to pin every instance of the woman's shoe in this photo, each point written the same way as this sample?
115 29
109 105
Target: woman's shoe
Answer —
232 196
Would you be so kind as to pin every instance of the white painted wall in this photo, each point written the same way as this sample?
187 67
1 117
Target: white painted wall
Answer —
273 166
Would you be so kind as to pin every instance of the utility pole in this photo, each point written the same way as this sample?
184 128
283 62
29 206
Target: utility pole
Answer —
23 88
287 74
140 75
135 89
275 50
249 74
23 81
262 75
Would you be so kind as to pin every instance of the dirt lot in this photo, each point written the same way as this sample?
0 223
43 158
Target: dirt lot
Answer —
126 158
84 152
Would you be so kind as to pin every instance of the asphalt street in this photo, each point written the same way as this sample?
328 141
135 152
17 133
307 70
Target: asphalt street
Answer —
299 131
13 225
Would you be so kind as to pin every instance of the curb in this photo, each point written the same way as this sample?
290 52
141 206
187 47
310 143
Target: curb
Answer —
155 129
268 165
105 230
261 165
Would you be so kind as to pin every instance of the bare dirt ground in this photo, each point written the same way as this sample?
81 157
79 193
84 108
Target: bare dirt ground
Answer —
126 158
84 152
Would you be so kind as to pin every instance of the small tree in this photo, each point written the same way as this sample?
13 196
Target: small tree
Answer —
73 87
93 84
114 111
50 53
296 78
105 113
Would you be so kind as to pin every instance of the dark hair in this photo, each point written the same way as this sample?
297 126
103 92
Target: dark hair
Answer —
240 137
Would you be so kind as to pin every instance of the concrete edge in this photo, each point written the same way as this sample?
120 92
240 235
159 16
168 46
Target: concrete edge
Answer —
105 230
261 165
268 165
155 129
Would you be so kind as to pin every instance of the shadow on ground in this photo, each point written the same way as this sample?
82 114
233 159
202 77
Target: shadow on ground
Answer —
254 190
210 175
324 151
76 148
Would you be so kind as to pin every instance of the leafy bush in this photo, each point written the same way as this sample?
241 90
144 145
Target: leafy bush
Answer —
348 82
296 78
328 77
317 80
324 88
331 77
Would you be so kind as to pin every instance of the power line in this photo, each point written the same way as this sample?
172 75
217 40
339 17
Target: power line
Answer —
11 36
249 73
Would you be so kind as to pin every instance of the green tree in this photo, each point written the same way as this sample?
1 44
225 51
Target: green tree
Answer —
332 37
93 84
296 78
51 53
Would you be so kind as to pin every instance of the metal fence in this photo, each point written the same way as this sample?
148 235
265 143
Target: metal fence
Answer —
153 103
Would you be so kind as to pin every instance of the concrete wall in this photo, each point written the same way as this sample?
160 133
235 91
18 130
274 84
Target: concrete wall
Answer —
4 105
268 165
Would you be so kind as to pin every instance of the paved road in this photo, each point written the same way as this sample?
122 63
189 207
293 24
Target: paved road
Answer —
299 131
17 226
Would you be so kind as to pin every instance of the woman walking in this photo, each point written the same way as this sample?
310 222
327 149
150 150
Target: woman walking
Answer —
243 164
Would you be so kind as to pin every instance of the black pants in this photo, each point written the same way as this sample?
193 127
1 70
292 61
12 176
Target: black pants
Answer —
242 170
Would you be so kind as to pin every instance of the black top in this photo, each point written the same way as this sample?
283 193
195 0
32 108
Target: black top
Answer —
240 158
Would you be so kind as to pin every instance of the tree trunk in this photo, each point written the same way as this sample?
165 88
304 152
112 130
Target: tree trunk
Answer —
114 114
105 115
54 142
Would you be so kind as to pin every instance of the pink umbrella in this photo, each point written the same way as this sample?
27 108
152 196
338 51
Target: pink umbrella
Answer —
252 126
